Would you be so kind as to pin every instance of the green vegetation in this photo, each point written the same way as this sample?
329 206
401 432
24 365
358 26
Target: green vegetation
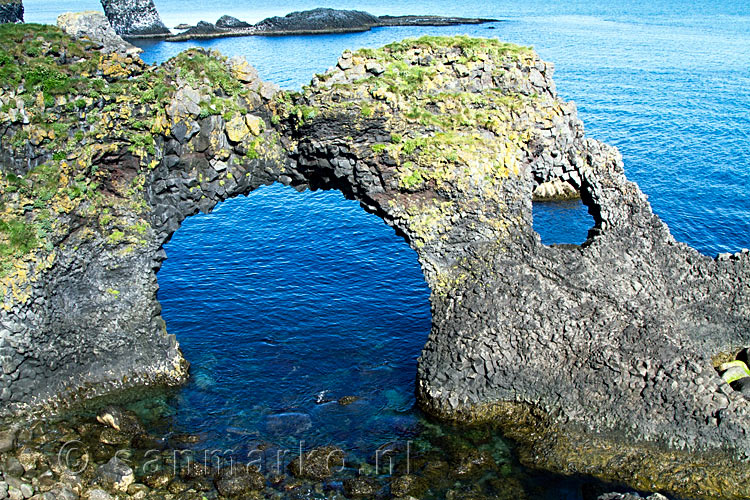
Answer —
473 48
17 237
198 67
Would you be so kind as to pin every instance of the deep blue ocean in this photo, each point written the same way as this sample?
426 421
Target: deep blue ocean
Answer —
284 302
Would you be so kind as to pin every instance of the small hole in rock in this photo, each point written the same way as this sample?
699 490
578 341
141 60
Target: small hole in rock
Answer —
560 217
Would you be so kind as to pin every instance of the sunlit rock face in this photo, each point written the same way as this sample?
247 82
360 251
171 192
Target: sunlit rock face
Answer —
446 140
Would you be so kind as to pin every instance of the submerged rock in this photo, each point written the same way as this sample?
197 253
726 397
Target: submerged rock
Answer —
318 464
239 481
361 487
115 474
288 424
347 400
135 18
11 11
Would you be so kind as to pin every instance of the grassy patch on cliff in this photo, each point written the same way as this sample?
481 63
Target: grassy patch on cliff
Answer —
472 48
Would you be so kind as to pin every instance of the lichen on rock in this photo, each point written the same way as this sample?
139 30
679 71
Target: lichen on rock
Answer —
95 27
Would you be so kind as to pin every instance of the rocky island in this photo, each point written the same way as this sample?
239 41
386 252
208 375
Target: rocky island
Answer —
314 22
598 359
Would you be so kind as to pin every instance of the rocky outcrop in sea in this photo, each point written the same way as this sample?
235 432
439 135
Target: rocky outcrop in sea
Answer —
135 18
11 11
599 359
316 21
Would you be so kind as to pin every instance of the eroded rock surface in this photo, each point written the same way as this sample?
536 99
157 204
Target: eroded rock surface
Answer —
135 18
11 11
443 138
95 27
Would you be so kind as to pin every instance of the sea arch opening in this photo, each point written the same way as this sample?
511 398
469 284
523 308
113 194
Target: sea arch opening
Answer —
302 316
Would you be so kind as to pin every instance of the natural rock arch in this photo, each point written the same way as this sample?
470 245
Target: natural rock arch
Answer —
444 139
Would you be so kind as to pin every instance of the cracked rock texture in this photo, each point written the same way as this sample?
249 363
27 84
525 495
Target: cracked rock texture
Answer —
11 11
135 18
95 27
445 139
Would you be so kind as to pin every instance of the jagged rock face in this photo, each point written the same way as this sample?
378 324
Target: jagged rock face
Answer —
135 18
11 11
231 22
95 27
445 140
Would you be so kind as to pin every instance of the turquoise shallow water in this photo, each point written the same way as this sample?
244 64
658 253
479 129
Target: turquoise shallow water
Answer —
283 300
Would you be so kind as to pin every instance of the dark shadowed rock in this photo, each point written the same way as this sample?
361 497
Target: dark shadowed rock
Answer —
202 29
135 18
319 20
231 23
238 481
11 11
318 464
8 439
361 487
288 424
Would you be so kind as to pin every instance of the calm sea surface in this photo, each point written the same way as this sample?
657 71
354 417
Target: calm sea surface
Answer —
283 301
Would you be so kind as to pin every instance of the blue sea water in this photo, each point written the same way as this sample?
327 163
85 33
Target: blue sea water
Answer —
281 299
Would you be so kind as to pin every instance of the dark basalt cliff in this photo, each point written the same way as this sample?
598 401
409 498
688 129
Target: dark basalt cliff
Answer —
594 356
11 11
135 18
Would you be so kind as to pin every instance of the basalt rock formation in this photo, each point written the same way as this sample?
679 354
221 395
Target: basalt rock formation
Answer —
11 11
315 22
588 354
135 18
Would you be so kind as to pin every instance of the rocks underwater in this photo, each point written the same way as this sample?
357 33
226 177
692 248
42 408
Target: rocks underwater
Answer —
591 357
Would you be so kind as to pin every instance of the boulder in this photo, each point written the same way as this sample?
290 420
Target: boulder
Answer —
115 474
95 27
361 487
8 439
318 464
237 129
238 481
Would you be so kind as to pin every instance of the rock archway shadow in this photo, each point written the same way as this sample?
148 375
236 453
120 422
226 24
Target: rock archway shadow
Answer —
444 139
